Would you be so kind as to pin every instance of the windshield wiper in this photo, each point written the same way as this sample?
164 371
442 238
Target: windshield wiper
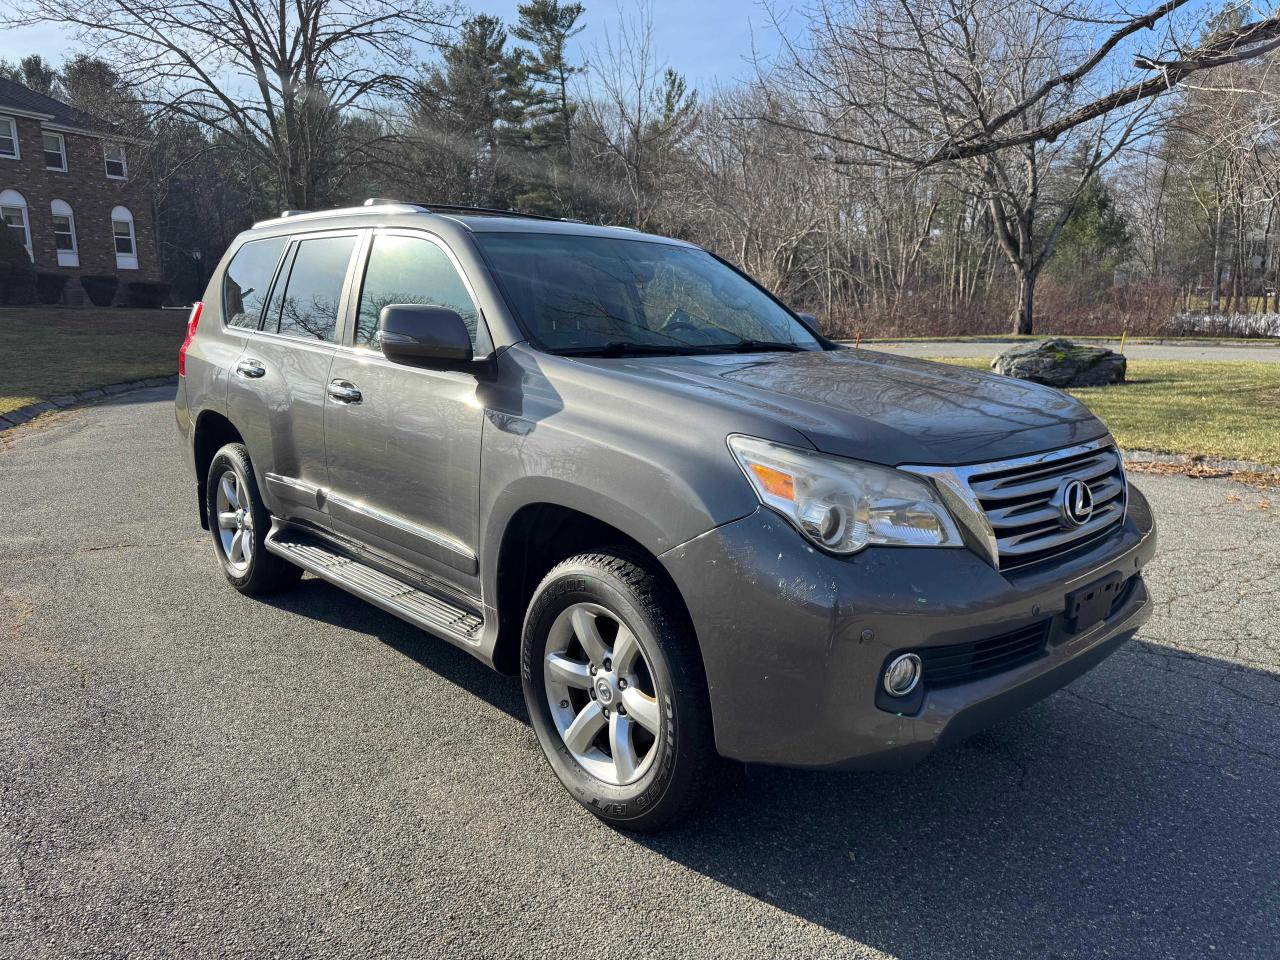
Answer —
765 346
625 348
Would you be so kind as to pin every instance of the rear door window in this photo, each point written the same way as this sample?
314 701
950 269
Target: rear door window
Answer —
248 277
307 304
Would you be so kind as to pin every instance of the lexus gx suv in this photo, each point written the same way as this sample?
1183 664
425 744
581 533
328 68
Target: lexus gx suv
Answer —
700 531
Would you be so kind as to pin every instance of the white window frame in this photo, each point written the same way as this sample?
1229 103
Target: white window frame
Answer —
62 144
106 159
124 261
14 200
17 147
67 258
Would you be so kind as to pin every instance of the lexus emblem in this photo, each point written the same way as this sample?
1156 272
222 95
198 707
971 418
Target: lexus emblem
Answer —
1075 503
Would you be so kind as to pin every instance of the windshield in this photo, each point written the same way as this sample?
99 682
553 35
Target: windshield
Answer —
581 295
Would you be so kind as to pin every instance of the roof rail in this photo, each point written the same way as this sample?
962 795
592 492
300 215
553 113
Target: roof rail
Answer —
293 213
463 208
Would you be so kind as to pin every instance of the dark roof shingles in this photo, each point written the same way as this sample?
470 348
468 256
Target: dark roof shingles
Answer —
16 96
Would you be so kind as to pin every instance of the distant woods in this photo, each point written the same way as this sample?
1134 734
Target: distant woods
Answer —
922 167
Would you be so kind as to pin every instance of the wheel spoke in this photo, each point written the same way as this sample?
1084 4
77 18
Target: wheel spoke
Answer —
229 491
585 726
625 760
642 708
569 672
246 545
227 521
625 650
236 552
584 627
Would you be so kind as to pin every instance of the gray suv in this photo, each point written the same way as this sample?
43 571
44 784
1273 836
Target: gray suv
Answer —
700 531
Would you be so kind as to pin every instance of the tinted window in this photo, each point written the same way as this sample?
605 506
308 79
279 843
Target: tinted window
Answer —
244 288
410 270
308 306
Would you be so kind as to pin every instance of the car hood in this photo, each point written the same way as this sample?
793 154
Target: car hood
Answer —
883 408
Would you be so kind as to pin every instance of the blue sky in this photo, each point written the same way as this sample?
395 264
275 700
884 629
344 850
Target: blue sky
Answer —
706 40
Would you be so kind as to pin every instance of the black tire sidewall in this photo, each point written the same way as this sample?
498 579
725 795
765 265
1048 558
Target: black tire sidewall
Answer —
235 457
588 583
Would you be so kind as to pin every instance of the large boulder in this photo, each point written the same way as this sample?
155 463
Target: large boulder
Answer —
1061 363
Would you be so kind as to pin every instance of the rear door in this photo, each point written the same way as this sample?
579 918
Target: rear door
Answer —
277 392
404 442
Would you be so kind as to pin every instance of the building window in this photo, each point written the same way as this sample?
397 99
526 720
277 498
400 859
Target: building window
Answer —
9 138
64 234
125 239
13 209
117 167
55 152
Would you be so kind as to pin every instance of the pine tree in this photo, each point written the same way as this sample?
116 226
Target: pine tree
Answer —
471 114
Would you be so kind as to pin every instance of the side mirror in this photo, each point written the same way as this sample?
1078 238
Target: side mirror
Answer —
421 336
812 320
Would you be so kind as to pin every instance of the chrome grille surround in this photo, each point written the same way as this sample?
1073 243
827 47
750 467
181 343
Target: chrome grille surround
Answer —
1006 508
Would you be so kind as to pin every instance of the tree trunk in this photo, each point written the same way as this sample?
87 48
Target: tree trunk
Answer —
1023 311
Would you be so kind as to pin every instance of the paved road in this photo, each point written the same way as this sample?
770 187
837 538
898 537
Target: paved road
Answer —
1267 352
186 772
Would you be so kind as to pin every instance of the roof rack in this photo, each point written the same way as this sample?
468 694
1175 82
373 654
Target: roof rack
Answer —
463 208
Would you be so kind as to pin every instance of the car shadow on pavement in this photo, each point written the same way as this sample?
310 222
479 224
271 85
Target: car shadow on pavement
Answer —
1134 814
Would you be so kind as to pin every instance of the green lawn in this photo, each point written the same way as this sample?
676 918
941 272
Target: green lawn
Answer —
1214 409
47 351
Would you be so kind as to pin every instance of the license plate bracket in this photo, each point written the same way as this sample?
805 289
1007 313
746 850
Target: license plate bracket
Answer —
1092 603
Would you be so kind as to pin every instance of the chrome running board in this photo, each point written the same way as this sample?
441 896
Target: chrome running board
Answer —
422 609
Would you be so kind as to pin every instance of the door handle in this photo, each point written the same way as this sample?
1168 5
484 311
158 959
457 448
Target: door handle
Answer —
250 369
344 391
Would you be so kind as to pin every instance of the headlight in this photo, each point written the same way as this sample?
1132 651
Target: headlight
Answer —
844 505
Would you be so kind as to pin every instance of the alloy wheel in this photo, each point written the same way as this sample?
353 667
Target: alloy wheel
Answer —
603 697
235 522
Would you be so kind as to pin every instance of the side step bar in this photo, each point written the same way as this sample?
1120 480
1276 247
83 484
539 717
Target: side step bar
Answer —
422 609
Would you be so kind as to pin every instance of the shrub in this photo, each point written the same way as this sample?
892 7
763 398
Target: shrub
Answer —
101 291
17 274
49 287
143 293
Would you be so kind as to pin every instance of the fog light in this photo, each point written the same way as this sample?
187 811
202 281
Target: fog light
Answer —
902 675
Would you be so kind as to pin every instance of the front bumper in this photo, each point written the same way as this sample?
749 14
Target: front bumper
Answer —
794 640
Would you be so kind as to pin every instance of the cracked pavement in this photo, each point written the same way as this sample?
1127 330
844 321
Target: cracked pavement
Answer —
188 772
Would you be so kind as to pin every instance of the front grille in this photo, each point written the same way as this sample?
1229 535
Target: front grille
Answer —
957 663
1019 502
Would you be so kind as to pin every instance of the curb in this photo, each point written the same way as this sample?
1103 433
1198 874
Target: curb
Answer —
1218 464
28 413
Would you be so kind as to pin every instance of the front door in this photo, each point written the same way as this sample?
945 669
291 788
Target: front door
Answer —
403 443
277 392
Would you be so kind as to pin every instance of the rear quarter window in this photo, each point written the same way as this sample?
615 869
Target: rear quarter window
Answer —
248 277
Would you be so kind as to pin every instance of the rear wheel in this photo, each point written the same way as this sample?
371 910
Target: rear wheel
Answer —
616 693
240 523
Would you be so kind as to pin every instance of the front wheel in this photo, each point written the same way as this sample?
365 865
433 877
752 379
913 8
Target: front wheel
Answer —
616 691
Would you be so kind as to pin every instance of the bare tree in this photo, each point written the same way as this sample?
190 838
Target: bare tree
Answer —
279 78
638 114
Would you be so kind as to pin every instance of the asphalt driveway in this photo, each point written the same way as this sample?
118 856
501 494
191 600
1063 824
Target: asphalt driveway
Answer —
187 772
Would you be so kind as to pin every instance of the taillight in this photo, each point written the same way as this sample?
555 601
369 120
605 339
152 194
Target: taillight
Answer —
192 322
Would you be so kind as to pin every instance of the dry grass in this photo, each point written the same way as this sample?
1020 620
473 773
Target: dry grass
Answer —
47 351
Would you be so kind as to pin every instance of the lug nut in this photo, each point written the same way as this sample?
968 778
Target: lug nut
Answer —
592 692
593 669
608 664
606 713
564 704
622 683
622 711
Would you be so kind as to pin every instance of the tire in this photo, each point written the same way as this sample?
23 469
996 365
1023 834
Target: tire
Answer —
235 510
651 763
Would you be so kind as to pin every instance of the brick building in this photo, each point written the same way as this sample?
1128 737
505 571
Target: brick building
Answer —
70 192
